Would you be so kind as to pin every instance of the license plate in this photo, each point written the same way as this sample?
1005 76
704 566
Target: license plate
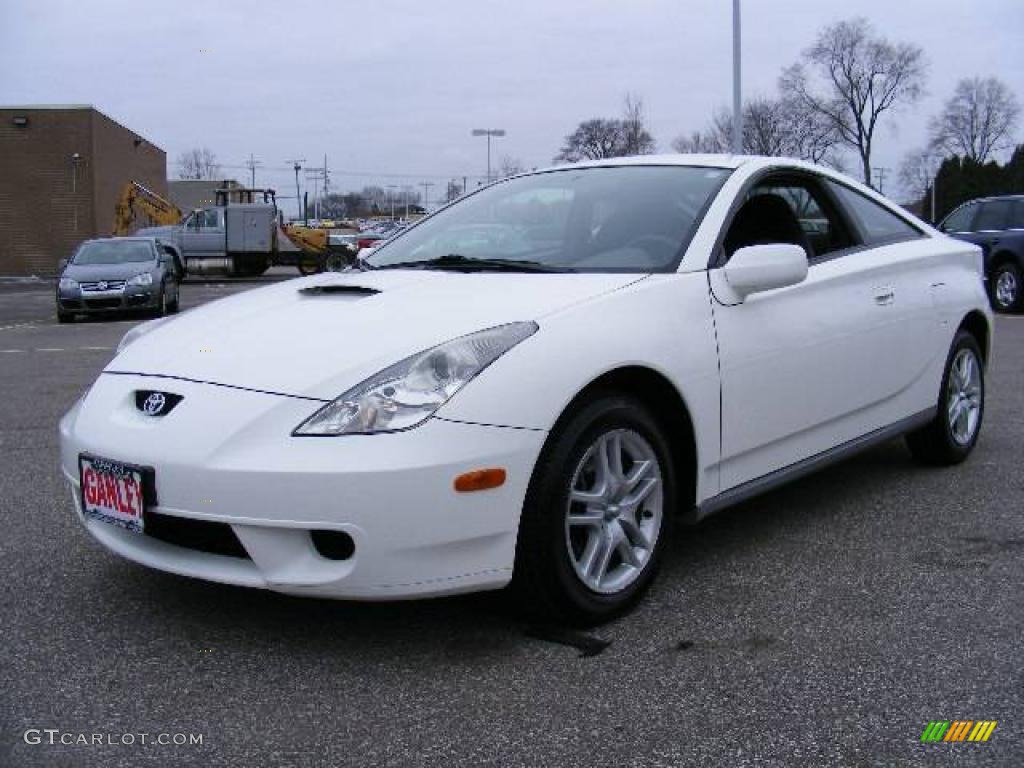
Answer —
113 492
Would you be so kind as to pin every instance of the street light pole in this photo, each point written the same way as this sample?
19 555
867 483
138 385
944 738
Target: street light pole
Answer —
737 96
489 132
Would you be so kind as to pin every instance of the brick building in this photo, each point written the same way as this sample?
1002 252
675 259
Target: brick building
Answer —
61 171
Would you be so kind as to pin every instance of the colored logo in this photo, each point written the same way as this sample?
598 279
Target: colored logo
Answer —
958 730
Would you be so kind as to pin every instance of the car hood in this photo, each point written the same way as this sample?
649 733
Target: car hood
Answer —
90 272
318 336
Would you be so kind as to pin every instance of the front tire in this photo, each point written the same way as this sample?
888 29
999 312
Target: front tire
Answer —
597 514
951 436
1006 288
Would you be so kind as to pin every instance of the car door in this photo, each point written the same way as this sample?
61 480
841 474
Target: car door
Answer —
203 234
811 366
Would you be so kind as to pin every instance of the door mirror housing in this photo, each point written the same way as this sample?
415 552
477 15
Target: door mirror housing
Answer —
62 266
759 268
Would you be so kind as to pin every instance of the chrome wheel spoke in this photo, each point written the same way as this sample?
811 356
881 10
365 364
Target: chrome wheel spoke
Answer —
590 519
641 493
634 532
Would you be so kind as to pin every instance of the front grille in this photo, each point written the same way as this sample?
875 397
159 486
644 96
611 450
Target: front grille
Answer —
201 535
102 303
110 285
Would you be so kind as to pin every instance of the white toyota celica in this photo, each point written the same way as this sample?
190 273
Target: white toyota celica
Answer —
533 384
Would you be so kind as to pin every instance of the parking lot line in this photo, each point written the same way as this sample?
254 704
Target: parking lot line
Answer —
58 349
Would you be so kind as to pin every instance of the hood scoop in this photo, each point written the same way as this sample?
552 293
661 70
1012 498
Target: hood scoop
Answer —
338 290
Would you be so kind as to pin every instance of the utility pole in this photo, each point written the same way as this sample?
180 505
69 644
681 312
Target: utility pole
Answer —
881 179
426 192
252 164
297 165
737 94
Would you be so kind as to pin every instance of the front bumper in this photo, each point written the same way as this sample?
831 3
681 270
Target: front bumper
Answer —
226 456
85 302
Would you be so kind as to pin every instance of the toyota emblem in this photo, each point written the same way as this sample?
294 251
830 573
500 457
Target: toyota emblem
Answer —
102 285
154 404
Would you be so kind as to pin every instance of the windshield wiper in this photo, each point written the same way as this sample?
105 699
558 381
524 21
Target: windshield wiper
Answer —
459 263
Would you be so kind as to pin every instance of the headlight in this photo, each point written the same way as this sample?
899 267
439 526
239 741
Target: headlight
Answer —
139 331
144 279
408 393
67 284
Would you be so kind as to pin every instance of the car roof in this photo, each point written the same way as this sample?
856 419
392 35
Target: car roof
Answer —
695 160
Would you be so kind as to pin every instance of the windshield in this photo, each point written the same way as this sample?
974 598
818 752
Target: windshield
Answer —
113 252
606 219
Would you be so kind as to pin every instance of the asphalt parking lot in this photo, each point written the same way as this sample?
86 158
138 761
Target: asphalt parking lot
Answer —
824 624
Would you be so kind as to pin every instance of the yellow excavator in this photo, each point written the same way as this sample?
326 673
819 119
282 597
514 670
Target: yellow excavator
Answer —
237 236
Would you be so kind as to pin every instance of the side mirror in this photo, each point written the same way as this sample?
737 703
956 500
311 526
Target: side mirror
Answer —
63 265
759 268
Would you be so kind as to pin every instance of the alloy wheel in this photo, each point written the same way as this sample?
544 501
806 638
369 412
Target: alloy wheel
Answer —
614 513
963 396
1006 289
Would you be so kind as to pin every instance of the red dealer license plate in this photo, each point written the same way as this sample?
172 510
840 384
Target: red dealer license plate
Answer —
113 492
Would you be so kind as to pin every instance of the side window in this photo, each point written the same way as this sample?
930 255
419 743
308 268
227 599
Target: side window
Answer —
788 211
1017 215
994 216
878 224
191 223
960 219
211 219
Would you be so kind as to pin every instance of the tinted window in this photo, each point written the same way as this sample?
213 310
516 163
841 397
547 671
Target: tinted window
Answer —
878 224
113 252
995 215
617 219
1017 215
960 219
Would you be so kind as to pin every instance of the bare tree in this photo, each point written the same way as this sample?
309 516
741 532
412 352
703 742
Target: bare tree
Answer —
593 139
510 166
852 77
917 171
977 121
198 163
777 127
636 139
698 142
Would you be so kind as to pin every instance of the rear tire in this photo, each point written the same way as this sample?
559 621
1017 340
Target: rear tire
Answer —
951 436
594 527
310 265
1005 291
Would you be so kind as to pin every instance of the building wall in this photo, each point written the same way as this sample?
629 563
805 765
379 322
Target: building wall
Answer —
50 200
189 194
121 156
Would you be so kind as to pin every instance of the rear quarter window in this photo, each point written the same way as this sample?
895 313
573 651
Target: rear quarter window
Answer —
877 223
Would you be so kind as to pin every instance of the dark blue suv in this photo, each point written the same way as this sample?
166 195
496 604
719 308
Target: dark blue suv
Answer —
997 225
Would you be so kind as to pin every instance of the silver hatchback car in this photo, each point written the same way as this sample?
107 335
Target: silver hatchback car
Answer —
118 274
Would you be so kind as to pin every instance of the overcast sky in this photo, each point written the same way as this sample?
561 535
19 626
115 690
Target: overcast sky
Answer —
390 89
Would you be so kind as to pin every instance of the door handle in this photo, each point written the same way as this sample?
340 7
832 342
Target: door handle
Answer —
885 295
